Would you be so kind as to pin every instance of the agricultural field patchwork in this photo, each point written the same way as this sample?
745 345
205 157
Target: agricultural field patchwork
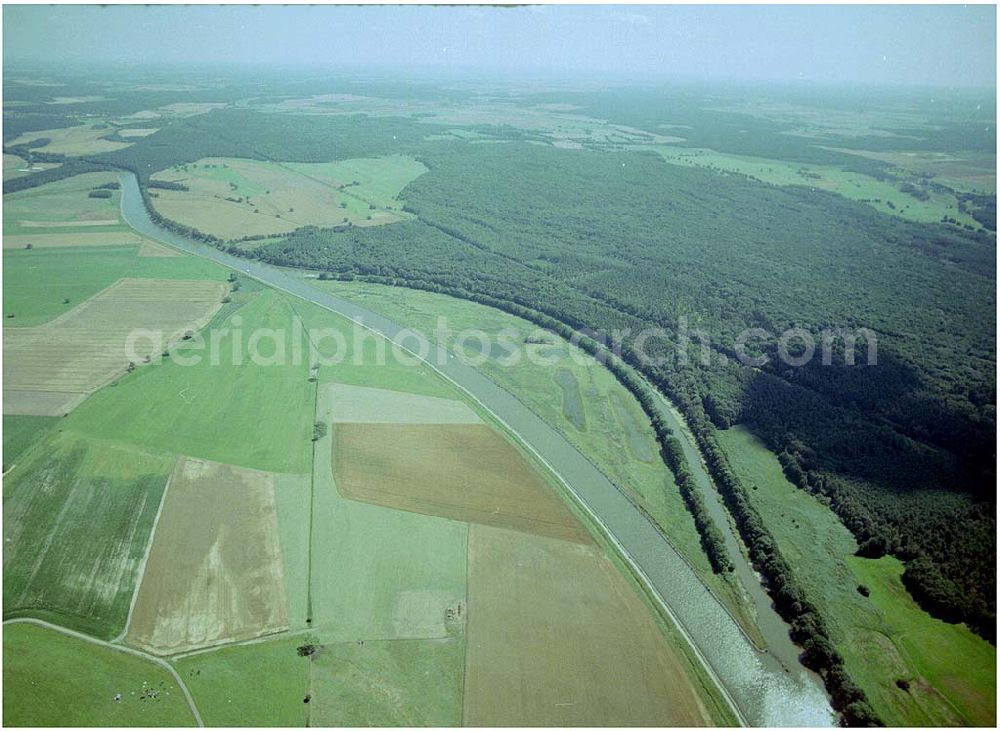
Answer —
233 198
258 684
80 351
974 172
391 574
556 636
215 571
77 518
231 412
37 283
52 679
617 435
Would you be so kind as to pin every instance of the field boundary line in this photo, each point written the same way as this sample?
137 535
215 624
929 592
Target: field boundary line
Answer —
627 557
141 573
639 573
312 468
119 648
269 637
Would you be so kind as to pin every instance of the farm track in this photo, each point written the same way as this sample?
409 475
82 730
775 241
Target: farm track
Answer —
119 648
758 687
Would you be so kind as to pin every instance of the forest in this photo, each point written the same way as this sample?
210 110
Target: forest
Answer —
903 451
603 239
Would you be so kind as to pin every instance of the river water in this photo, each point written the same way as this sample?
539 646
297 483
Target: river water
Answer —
765 688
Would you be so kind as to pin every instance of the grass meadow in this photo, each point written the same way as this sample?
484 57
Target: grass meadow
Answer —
259 684
257 417
77 518
51 679
20 433
885 637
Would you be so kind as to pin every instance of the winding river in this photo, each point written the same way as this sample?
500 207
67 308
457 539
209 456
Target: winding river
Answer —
764 688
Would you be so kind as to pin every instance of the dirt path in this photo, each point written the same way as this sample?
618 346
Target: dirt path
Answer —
120 648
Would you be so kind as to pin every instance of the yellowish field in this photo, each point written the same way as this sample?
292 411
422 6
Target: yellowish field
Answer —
40 403
557 637
86 347
232 198
72 141
62 240
62 203
15 167
74 99
137 132
464 472
215 571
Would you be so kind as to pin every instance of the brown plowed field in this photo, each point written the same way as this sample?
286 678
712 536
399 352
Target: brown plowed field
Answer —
464 472
215 571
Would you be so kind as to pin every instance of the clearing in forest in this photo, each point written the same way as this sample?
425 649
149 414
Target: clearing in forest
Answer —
464 472
63 206
15 166
80 351
232 198
215 572
86 139
558 637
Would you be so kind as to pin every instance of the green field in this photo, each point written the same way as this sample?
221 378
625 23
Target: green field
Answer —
64 201
396 683
20 433
259 417
77 517
879 194
38 281
259 684
291 497
954 661
395 571
885 637
617 435
379 179
51 679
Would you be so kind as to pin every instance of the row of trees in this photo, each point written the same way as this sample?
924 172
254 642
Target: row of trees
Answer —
807 627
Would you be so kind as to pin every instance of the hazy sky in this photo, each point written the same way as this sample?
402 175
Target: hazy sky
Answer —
936 45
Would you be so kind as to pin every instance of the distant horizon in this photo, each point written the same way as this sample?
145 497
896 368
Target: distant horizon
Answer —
951 47
572 79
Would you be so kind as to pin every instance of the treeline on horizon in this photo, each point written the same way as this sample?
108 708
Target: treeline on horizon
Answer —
903 452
